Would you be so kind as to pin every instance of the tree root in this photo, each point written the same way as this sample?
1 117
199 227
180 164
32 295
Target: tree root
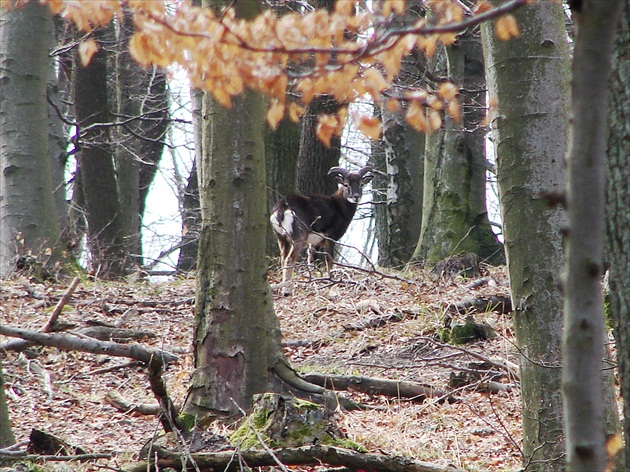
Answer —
392 388
312 391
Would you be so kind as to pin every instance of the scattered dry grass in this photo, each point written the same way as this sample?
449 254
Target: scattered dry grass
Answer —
481 432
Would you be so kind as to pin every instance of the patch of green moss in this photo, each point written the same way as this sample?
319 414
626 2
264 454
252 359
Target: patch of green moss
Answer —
245 438
328 440
187 421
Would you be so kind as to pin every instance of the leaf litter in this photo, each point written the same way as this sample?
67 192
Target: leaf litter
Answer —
355 323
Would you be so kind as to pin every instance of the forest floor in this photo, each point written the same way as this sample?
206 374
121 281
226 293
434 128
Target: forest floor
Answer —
336 326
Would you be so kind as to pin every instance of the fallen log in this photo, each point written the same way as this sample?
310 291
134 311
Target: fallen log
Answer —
71 342
306 455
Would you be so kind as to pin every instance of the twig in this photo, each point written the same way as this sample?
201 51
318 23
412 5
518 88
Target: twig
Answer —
50 324
508 366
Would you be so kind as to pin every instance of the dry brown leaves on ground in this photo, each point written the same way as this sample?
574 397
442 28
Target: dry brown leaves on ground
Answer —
63 392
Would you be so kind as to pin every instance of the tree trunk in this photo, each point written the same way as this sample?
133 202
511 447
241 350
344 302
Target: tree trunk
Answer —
237 336
191 223
315 158
617 204
58 92
190 204
142 104
530 78
398 194
583 305
282 147
28 217
96 166
6 431
455 219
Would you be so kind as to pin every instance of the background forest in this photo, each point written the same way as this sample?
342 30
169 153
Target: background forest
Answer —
437 96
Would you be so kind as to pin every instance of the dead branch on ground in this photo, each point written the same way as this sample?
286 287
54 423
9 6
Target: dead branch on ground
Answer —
306 455
21 344
69 342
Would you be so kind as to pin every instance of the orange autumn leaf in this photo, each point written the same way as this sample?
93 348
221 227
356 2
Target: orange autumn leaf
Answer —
326 128
482 6
275 113
369 126
86 50
507 28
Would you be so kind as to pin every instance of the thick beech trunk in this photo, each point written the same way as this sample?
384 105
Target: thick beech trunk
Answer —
28 217
529 76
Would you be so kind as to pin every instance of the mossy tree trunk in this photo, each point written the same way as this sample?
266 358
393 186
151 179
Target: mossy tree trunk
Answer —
529 76
454 215
28 216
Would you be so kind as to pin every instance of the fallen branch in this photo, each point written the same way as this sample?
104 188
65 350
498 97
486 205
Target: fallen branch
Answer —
391 388
306 455
69 342
116 400
21 344
510 367
25 456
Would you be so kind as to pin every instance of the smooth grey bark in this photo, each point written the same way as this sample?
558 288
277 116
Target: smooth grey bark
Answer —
583 304
617 215
189 202
28 217
397 189
59 109
529 76
454 217
397 195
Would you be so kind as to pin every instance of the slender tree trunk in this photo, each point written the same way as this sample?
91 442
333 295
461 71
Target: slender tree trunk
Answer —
141 97
190 201
191 223
6 431
28 217
529 76
617 217
398 194
583 305
96 166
